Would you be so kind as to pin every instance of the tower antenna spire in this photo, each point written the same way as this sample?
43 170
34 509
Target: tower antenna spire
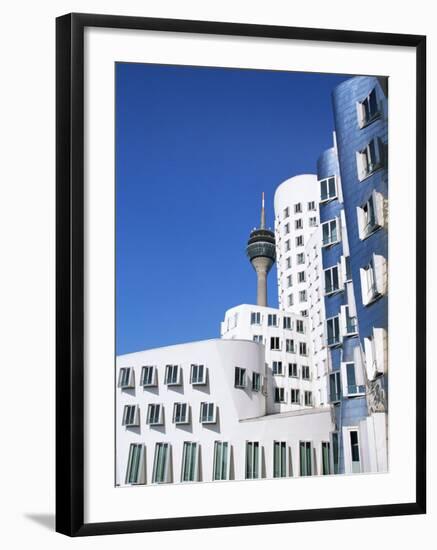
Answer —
263 213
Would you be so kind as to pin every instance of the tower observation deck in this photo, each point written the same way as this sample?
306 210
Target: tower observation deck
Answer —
261 251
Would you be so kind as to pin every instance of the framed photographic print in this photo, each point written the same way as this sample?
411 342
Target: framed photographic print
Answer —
240 274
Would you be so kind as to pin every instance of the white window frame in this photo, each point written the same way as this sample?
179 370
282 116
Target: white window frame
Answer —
365 117
303 349
330 195
153 419
170 378
256 381
242 377
152 381
166 477
337 341
279 395
312 206
367 226
300 258
140 477
366 166
352 390
300 326
224 473
293 369
255 318
280 462
253 456
308 396
330 271
126 378
330 241
131 416
195 379
287 323
348 463
305 370
275 343
376 350
182 419
193 448
208 418
296 394
373 279
336 396
277 368
302 296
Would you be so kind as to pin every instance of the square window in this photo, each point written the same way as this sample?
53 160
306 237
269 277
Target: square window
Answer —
298 208
330 234
328 189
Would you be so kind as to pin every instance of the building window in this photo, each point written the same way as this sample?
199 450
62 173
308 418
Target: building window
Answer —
301 277
334 387
258 338
328 189
369 159
298 224
277 368
370 215
332 281
300 326
173 375
287 323
292 370
330 232
286 212
288 262
287 245
221 461
326 464
350 380
272 320
308 398
181 413
305 452
252 460
198 374
335 452
256 381
207 413
312 222
131 415
368 109
255 318
289 346
302 295
189 462
135 464
355 451
300 258
126 378
295 396
286 229
304 313
279 395
375 349
155 414
240 377
279 459
149 376
290 299
373 279
161 463
346 267
312 205
289 281
333 331
298 208
306 372
299 240
275 343
303 348
349 322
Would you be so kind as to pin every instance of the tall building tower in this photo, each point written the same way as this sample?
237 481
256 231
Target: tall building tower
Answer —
262 255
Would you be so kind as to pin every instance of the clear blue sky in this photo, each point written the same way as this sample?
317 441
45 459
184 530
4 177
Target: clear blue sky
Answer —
195 147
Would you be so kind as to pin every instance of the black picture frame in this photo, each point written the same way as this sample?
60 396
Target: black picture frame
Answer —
70 273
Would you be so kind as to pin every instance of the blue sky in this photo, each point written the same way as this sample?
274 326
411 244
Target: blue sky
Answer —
195 147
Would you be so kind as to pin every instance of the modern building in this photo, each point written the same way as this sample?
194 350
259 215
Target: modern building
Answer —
296 390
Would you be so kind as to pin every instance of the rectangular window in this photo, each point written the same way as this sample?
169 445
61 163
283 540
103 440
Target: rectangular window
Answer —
189 462
161 464
298 208
288 262
289 281
299 240
279 395
275 343
286 212
287 323
302 295
370 216
258 338
131 415
355 451
289 346
373 279
303 348
292 370
326 464
335 452
155 414
301 277
304 313
279 459
305 452
375 349
256 381
300 326
333 331
221 461
330 232
295 396
287 245
172 375
298 224
286 229
272 320
328 189
252 460
334 387
207 413
290 300
126 378
368 109
255 318
312 222
350 322
240 377
369 159
306 372
135 462
308 398
149 376
332 281
180 413
198 374
277 368
353 388
312 205
300 258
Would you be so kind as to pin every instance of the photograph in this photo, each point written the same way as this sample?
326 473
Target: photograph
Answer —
251 274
